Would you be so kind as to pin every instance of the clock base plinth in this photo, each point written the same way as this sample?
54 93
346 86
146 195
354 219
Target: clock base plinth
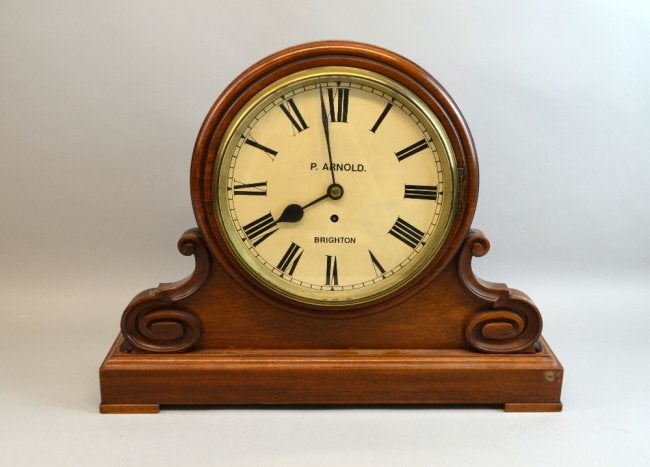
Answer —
140 383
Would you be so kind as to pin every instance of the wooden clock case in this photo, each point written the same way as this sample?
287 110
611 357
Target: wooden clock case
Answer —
219 337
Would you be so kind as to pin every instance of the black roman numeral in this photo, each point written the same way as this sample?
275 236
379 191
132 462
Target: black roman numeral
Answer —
251 189
381 117
269 152
294 116
412 149
331 273
290 259
405 232
376 264
260 229
421 191
340 112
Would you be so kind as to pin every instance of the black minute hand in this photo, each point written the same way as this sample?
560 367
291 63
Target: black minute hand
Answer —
326 129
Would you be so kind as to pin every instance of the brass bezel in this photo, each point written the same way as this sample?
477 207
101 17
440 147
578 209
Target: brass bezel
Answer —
313 297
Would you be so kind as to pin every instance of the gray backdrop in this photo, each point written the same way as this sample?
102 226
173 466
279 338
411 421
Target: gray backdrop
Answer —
100 103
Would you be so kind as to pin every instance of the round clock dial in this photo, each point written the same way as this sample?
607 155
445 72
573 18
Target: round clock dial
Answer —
335 186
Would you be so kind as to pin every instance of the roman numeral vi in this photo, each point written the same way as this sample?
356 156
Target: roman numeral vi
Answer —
331 271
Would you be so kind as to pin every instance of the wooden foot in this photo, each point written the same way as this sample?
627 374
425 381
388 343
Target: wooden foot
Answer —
533 407
129 408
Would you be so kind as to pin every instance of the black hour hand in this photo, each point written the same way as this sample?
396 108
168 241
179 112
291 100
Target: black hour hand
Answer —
292 213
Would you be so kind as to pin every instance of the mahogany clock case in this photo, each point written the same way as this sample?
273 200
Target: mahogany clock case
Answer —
218 337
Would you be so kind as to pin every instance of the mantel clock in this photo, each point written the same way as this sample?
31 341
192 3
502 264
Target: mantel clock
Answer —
334 185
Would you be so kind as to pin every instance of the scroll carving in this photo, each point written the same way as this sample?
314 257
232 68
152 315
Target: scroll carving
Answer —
510 322
155 320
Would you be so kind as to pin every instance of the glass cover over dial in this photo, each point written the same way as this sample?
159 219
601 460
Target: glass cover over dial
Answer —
335 186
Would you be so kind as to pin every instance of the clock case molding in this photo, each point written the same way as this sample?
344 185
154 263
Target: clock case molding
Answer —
218 337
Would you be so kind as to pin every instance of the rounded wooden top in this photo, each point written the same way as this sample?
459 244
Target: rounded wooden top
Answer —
313 55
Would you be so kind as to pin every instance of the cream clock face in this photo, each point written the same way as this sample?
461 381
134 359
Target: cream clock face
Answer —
335 186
